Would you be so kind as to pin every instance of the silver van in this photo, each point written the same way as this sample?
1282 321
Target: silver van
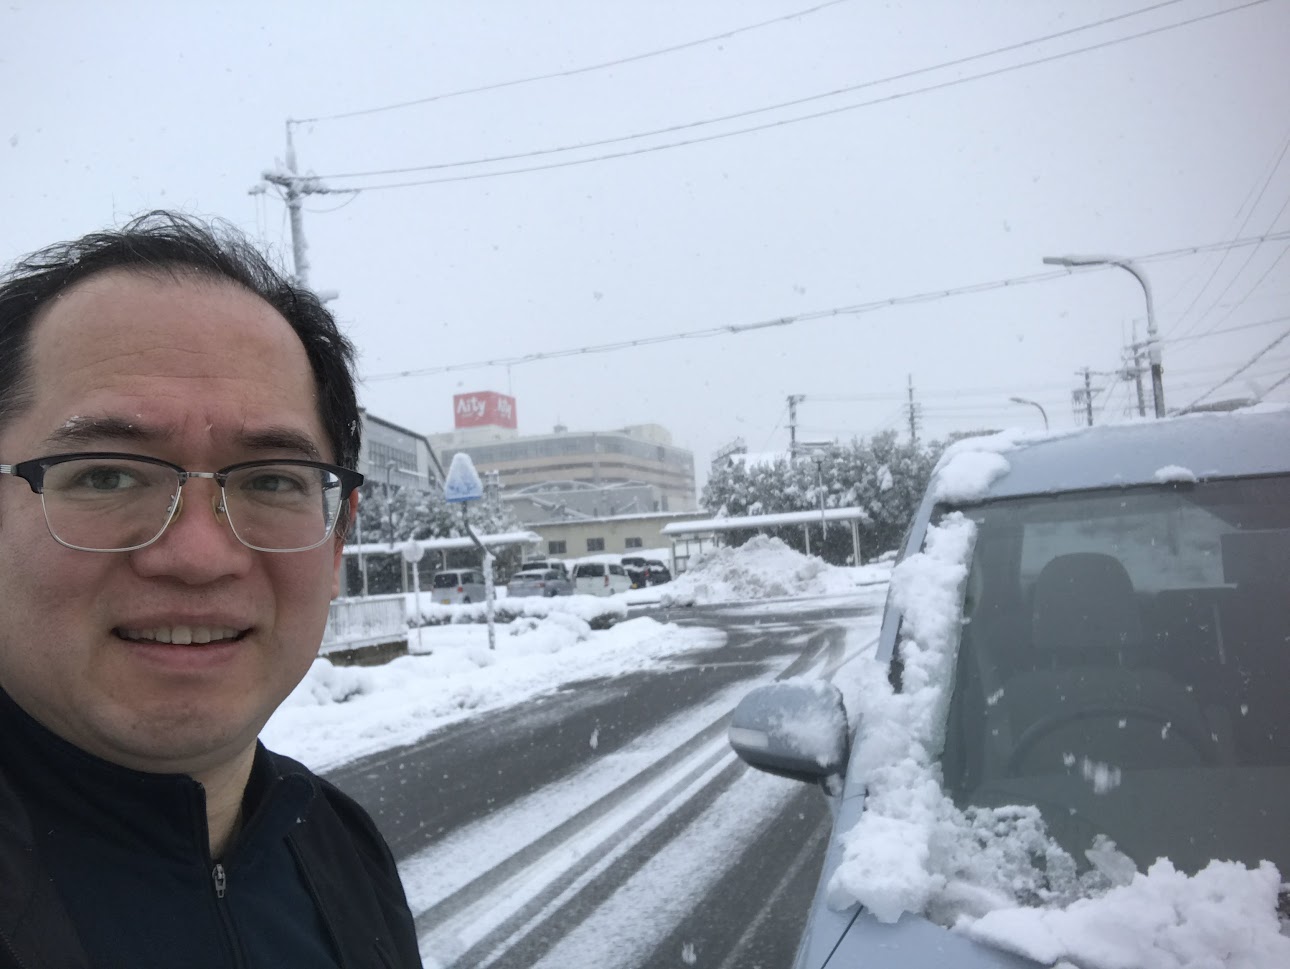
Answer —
455 586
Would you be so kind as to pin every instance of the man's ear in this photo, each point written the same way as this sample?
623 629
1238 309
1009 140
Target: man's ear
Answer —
348 516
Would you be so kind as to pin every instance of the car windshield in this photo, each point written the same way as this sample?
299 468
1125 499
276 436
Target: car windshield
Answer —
446 580
1123 665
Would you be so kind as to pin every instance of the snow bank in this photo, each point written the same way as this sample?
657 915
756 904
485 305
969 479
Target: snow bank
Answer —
339 713
763 568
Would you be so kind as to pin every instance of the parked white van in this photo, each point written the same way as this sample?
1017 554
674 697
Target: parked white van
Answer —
600 579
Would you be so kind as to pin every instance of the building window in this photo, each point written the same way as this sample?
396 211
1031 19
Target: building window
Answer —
555 548
633 543
595 545
380 454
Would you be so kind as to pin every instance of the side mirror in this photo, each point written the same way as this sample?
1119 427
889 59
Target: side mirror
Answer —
797 729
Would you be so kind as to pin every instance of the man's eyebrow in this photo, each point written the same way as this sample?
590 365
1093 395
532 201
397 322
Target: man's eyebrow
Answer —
90 430
279 439
81 431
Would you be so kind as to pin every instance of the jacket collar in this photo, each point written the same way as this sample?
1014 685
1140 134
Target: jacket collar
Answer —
163 814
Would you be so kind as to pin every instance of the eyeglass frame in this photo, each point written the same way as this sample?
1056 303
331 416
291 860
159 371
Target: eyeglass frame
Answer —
33 472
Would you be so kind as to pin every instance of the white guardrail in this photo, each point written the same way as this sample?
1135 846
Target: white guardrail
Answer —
370 621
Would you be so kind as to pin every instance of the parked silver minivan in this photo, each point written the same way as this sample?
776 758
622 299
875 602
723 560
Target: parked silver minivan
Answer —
1082 668
454 586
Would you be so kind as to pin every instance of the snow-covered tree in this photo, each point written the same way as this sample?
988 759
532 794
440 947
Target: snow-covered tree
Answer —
883 476
402 513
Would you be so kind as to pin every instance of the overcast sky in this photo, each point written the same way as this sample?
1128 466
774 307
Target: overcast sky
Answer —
1164 142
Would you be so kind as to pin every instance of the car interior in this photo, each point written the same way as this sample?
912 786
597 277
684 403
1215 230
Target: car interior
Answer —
1120 648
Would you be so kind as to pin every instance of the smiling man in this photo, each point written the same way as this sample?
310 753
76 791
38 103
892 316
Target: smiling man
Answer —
178 438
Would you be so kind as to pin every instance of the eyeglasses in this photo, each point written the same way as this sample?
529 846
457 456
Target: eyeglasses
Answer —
105 502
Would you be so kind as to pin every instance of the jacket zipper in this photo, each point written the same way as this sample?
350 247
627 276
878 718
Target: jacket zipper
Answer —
219 881
220 878
13 952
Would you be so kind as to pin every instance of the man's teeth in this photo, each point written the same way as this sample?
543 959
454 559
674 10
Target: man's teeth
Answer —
181 635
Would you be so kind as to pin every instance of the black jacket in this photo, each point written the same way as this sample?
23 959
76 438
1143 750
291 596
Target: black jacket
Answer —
109 868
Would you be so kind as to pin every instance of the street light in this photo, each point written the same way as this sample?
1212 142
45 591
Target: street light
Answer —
1032 403
1153 343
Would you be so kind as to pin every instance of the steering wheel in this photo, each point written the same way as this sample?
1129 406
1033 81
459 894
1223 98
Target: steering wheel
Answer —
1203 746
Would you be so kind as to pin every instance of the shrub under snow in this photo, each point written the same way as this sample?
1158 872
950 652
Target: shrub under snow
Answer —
599 612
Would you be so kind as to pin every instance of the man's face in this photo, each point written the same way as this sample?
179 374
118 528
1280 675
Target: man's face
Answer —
204 374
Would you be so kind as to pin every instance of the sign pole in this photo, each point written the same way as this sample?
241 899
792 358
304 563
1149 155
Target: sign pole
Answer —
410 553
462 483
487 566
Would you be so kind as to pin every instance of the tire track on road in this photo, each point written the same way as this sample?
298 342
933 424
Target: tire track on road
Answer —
702 767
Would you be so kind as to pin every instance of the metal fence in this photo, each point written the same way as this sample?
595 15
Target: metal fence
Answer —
362 622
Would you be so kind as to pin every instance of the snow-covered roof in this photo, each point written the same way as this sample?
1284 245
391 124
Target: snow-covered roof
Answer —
765 521
450 544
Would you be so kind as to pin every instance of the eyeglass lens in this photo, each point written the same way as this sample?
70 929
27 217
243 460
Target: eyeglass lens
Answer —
112 504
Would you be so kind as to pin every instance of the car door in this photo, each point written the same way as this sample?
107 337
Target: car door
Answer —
618 580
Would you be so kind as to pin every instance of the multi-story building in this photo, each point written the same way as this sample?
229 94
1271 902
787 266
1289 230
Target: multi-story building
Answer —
570 475
395 455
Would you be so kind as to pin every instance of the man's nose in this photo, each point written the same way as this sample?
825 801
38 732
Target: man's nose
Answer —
195 547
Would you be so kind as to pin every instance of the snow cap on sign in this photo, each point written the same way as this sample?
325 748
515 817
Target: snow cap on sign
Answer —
462 483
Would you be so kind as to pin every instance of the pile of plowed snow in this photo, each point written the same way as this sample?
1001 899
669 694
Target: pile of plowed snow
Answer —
764 568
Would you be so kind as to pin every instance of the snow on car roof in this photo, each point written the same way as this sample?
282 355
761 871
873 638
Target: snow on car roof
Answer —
1242 443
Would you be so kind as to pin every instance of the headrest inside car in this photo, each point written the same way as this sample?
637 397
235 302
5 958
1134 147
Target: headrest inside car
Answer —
1084 601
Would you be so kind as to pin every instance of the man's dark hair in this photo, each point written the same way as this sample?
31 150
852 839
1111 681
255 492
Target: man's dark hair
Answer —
167 243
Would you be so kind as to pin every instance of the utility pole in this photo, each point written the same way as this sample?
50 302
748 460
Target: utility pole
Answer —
1136 349
1082 397
294 188
793 401
913 412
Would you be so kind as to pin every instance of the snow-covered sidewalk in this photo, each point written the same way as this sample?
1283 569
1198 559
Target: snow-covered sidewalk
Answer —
340 713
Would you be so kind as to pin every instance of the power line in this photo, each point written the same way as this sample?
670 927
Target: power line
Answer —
572 71
737 328
1257 283
1237 275
1197 250
942 85
1274 386
1230 329
1234 230
1244 222
1240 370
672 129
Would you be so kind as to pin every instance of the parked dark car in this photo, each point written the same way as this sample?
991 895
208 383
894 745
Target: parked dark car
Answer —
1093 629
645 572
